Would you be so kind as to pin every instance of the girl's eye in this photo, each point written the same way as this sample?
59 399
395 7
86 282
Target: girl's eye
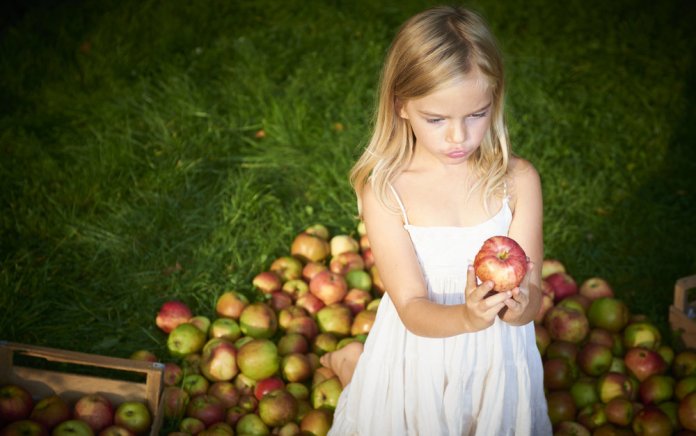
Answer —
478 114
434 120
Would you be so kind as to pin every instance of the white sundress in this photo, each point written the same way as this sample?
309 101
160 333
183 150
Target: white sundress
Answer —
486 383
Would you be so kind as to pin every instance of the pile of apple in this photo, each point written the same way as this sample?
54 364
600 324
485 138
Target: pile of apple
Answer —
91 414
253 367
607 371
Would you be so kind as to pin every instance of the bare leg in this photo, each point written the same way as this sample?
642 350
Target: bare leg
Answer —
343 361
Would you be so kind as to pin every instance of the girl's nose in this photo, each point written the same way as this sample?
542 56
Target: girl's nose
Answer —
456 134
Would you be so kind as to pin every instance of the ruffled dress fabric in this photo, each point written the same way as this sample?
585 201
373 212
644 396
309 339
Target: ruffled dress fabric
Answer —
483 383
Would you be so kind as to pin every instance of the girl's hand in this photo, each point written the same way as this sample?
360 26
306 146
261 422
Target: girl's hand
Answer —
481 309
515 306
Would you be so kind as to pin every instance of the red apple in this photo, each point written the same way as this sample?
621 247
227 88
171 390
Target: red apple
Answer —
566 324
368 258
317 421
310 248
546 305
377 285
207 408
345 262
559 374
296 367
94 409
594 359
287 268
560 407
226 392
174 401
542 337
258 320
343 244
311 269
502 261
310 303
190 425
363 322
50 411
248 403
117 430
687 411
596 287
267 282
16 403
219 360
643 363
267 385
571 428
563 285
329 287
144 356
133 415
304 325
171 314
619 411
551 266
278 408
357 299
24 427
280 300
656 388
364 242
258 359
651 421
564 349
230 304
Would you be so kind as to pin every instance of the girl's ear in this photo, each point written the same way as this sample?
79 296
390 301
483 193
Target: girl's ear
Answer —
399 106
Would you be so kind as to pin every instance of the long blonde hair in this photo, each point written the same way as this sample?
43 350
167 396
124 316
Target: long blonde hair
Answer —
430 51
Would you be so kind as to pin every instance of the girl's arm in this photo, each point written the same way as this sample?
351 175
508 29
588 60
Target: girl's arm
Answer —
403 279
526 229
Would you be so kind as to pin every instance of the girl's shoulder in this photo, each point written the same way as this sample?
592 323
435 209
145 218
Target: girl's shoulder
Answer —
523 179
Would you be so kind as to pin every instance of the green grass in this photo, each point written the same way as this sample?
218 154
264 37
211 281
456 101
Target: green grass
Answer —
131 173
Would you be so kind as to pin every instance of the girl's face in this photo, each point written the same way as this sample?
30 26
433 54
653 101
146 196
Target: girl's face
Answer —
449 124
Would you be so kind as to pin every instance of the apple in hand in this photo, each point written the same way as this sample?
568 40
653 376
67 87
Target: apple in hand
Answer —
502 261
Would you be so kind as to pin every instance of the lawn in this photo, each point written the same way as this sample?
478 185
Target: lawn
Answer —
132 171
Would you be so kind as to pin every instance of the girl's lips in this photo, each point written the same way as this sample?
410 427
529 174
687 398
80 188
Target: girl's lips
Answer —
457 154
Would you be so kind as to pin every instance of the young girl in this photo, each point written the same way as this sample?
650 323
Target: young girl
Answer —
444 357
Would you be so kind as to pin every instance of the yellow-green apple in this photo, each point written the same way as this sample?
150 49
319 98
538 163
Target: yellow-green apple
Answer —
502 261
304 325
202 322
559 374
258 359
359 279
278 408
656 388
133 415
594 359
546 305
185 339
316 421
258 320
295 288
560 406
310 303
218 429
310 248
267 282
592 416
267 385
374 304
329 287
324 343
325 394
289 429
357 299
667 354
279 300
684 364
230 304
671 409
335 318
311 269
608 313
245 385
364 242
117 430
248 402
321 374
233 414
650 420
50 411
143 355
566 324
251 424
226 392
685 386
24 427
642 363
225 328
191 425
601 336
174 402
619 411
96 410
171 314
288 314
16 403
343 244
363 322
287 268
195 384
219 360
577 302
298 390
564 349
345 262
542 337
687 411
377 284
584 391
551 266
190 363
616 385
361 228
642 334
292 343
295 367
319 230
208 408
563 285
347 340
72 427
595 287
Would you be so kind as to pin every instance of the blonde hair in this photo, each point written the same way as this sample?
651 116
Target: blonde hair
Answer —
432 50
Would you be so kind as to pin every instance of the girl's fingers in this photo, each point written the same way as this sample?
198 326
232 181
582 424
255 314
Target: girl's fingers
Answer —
528 275
470 281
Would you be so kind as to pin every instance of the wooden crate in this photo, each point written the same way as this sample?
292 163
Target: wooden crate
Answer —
42 383
682 314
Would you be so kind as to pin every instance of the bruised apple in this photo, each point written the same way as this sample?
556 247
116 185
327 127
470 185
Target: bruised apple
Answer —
502 261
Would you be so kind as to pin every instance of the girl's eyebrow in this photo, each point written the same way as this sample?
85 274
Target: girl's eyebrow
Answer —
435 115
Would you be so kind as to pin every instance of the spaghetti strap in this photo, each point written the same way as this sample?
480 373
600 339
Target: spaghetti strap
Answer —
401 204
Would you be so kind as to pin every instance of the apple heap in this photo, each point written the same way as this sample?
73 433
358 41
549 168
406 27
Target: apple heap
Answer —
91 414
251 365
608 371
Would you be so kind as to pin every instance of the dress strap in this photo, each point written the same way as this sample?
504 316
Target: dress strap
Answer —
401 204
